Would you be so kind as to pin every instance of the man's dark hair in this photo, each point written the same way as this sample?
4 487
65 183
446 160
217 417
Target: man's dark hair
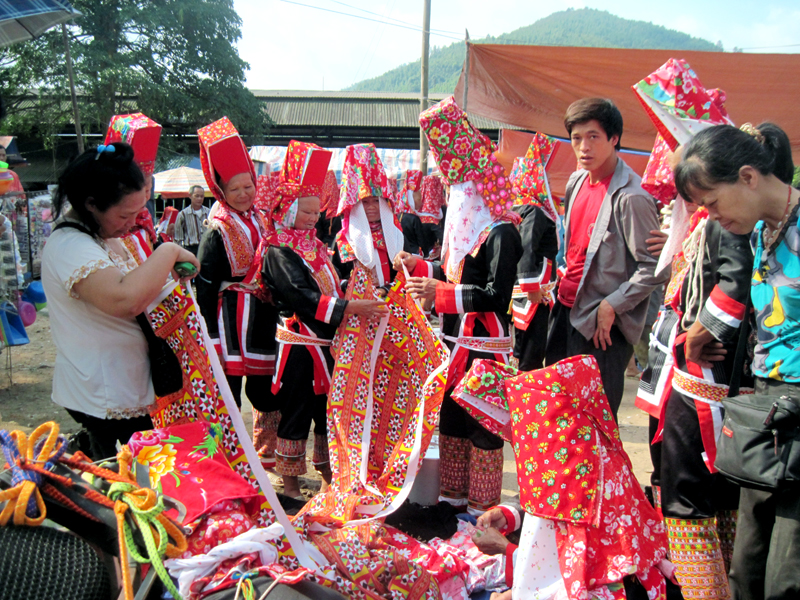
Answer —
602 110
194 187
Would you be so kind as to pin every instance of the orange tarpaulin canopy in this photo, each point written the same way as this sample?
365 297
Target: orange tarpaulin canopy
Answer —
532 86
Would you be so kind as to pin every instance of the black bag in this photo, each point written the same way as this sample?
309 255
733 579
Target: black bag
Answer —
759 446
165 368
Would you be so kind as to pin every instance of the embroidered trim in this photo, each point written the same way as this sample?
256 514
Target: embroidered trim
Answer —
83 272
130 413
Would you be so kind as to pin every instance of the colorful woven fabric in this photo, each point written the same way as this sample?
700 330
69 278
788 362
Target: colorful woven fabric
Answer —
694 549
177 320
143 135
387 387
290 457
678 104
572 469
265 436
222 522
266 192
726 530
485 478
454 468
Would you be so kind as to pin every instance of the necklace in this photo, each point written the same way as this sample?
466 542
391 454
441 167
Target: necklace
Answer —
774 233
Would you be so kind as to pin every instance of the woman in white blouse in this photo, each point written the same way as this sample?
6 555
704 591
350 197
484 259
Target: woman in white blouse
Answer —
95 290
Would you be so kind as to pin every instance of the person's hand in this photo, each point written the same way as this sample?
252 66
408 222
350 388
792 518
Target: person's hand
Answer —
185 256
536 297
501 595
368 309
490 541
605 319
493 517
404 258
702 347
656 243
422 288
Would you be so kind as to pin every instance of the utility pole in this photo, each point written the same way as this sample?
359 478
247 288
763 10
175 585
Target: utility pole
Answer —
423 100
466 73
75 113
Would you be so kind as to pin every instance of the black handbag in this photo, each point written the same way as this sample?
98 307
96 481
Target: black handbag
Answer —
759 445
165 368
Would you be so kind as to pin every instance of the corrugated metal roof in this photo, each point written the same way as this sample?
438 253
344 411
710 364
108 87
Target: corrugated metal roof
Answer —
301 108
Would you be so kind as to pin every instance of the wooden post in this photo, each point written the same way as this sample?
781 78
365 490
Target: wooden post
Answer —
75 112
423 100
466 73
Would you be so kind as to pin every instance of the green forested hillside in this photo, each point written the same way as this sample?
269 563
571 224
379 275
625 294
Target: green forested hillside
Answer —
581 27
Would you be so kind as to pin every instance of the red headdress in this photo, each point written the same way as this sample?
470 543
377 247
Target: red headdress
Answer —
143 135
223 153
329 197
303 174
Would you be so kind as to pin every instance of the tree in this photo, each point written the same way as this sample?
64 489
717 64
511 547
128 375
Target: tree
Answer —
174 60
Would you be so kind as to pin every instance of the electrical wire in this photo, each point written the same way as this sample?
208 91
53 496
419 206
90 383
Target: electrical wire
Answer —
390 18
338 12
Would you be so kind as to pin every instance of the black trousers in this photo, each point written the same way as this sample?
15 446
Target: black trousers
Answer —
766 553
258 389
104 433
688 489
298 403
563 341
530 344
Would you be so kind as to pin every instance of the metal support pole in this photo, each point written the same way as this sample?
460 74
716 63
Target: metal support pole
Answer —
466 73
423 100
75 112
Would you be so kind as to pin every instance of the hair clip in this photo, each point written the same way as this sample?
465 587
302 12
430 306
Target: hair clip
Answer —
750 129
103 148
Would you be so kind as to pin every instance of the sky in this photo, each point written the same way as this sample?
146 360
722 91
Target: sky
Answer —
294 47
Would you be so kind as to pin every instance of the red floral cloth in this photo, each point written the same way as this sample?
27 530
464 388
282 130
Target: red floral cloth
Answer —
187 463
362 176
658 179
529 178
678 104
572 469
329 196
433 199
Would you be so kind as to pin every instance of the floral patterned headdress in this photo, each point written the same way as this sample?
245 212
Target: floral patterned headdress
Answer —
529 177
413 182
362 176
143 135
433 198
680 107
464 154
223 153
303 174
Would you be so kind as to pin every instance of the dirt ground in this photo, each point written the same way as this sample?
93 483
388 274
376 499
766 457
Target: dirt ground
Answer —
26 376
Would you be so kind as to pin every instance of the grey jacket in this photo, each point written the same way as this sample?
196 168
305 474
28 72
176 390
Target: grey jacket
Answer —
618 266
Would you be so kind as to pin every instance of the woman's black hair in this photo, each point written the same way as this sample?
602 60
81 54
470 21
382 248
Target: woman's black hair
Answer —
102 177
716 154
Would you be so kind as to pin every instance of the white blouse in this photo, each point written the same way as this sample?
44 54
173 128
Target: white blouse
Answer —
102 366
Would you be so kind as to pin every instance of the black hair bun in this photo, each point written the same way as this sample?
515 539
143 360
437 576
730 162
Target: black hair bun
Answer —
122 155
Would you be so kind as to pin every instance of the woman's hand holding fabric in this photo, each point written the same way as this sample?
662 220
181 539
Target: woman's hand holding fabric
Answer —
422 288
404 258
369 309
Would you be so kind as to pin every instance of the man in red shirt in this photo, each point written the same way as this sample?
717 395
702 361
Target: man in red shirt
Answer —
604 294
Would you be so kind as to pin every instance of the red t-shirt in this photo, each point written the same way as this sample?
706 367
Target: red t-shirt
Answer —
582 218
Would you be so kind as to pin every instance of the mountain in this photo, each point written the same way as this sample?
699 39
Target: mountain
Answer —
572 27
